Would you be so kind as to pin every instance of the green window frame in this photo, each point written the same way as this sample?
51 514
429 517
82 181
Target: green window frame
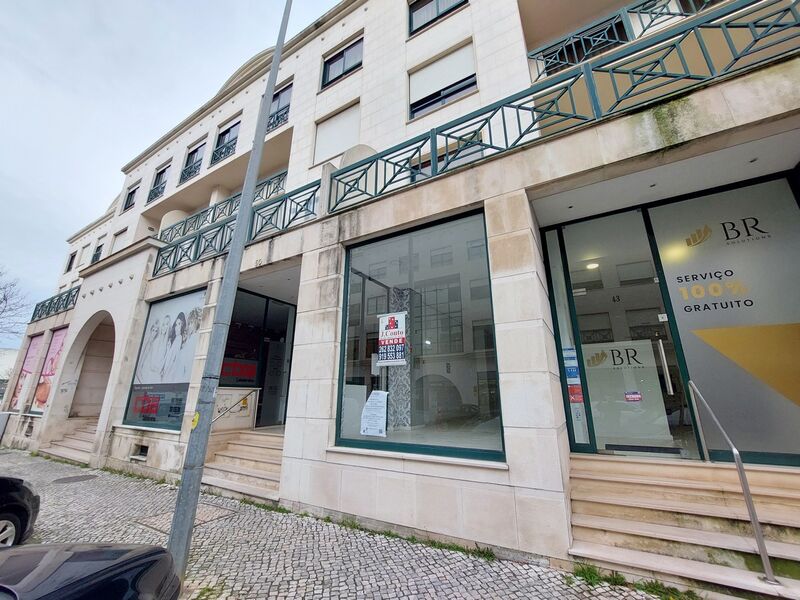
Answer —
440 9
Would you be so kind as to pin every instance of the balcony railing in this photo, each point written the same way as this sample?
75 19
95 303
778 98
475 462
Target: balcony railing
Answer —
716 43
265 189
156 191
269 216
278 118
630 23
57 304
190 171
223 151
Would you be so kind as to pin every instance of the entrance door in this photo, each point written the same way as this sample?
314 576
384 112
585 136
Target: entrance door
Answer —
705 288
277 353
632 371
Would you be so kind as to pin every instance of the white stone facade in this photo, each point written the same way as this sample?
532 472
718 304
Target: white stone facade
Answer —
519 505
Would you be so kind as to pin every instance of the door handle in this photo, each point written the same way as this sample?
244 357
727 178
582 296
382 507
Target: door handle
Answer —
667 378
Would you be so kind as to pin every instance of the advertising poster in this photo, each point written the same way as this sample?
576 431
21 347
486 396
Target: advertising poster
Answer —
161 380
731 266
575 391
25 380
392 339
627 401
51 363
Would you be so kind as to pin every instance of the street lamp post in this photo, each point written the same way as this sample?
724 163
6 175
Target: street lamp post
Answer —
180 537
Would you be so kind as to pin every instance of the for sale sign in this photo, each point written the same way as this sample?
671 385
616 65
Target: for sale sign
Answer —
392 339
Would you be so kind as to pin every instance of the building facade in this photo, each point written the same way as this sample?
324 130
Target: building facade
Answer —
509 261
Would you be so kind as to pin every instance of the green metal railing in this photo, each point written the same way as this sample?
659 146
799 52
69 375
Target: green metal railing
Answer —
269 216
715 43
223 151
56 304
266 188
699 44
278 118
630 23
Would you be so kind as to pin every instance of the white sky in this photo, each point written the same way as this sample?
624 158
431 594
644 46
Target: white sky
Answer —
85 85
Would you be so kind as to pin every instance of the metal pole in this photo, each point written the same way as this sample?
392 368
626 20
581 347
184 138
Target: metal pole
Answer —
180 537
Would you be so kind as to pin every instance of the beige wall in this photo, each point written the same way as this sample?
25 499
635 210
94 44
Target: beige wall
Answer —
95 369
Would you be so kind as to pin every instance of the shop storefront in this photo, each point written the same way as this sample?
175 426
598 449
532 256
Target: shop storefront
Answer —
703 289
419 368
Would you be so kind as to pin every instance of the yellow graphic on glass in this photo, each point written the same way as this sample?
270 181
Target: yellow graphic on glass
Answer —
764 351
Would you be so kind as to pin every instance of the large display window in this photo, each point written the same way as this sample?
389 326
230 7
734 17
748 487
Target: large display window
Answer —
164 366
419 369
702 289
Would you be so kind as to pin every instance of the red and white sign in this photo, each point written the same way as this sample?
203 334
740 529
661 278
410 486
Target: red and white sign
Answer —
392 339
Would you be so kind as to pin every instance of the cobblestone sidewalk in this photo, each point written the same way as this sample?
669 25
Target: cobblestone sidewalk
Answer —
242 551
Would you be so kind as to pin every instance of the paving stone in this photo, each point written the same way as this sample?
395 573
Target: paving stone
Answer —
243 552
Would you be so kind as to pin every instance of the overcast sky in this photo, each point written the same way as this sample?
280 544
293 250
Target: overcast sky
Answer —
85 85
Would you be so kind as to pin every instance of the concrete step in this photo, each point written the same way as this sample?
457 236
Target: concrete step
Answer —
775 515
761 476
671 568
251 477
255 450
712 547
82 435
260 440
233 489
79 443
73 444
694 492
249 461
64 453
675 518
787 494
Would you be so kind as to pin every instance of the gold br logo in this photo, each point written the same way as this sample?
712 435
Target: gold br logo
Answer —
598 358
698 236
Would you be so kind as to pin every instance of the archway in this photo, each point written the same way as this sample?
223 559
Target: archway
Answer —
71 417
95 367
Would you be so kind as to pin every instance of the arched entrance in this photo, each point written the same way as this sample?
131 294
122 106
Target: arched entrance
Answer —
71 425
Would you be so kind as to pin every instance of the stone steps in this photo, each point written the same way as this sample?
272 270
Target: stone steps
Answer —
241 459
252 477
686 523
76 443
249 466
684 570
65 453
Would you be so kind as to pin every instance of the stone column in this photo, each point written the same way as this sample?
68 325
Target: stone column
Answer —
311 409
400 393
534 427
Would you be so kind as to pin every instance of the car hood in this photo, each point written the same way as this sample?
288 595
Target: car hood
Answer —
36 571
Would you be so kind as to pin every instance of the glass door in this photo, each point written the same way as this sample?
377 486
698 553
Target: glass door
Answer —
622 369
277 353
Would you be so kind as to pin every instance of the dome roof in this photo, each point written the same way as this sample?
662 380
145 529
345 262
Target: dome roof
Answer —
259 62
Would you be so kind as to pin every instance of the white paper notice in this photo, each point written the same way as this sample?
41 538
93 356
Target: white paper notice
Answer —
373 415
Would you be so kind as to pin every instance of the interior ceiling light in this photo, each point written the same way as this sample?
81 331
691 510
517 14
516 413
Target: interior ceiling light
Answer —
591 266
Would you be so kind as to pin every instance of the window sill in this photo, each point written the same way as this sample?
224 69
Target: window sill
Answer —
443 106
426 458
147 429
430 25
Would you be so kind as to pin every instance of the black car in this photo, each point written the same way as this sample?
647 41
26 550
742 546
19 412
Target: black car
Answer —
88 572
19 507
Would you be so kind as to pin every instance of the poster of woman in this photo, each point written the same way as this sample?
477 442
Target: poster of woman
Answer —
51 362
25 379
161 380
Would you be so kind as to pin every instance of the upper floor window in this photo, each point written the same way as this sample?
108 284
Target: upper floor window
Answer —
70 262
194 158
442 81
226 143
279 109
130 199
98 252
337 134
342 63
423 12
159 184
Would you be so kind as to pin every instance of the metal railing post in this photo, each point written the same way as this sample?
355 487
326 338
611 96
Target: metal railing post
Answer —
769 575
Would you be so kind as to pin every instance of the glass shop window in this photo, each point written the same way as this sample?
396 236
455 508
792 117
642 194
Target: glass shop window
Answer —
420 369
